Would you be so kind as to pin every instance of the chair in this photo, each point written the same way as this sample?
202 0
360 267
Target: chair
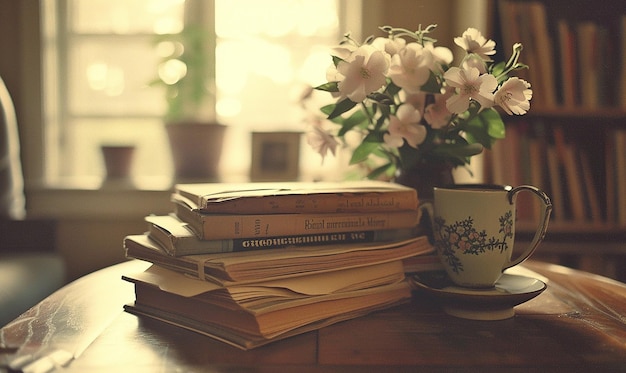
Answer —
30 269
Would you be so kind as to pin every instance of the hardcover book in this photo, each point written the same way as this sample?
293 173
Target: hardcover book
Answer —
228 226
178 239
247 316
299 197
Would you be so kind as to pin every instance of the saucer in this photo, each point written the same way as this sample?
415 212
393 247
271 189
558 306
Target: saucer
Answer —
480 304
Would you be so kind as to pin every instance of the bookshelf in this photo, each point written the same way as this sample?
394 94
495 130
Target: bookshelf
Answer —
572 143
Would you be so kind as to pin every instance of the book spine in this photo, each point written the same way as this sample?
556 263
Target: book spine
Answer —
215 227
248 244
317 203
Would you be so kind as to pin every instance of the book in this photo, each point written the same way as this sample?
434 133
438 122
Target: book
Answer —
228 226
299 197
178 239
544 50
556 183
422 263
620 176
588 52
250 266
568 66
253 315
567 155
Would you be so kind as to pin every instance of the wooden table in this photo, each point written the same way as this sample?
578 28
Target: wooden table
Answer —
577 324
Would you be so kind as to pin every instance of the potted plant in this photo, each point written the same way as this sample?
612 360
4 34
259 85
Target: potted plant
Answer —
194 135
417 116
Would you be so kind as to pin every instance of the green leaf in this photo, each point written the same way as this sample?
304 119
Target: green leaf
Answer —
384 169
336 60
392 89
342 106
495 125
328 87
461 152
485 128
368 146
432 84
381 98
354 120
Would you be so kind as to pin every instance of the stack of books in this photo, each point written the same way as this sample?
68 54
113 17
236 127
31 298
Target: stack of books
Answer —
252 263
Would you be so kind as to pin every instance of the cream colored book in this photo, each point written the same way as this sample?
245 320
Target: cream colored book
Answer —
251 266
299 197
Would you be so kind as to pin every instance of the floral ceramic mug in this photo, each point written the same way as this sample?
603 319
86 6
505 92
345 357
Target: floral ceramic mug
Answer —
474 230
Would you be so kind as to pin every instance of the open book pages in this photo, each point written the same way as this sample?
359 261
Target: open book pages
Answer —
244 329
268 296
251 266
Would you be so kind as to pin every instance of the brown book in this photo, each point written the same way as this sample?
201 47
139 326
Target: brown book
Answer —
299 197
248 316
229 226
178 239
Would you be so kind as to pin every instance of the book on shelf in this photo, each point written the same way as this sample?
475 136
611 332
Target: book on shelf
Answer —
556 184
525 22
228 226
622 49
247 316
568 57
610 178
299 197
573 181
178 239
620 176
250 266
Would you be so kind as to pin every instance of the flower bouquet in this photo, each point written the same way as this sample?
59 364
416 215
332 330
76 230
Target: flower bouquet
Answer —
410 107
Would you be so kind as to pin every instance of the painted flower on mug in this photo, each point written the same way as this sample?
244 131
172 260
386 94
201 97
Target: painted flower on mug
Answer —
462 238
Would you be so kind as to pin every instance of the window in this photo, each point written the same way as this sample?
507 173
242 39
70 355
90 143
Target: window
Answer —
101 55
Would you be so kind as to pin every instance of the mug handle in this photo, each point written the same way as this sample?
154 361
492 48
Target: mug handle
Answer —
543 223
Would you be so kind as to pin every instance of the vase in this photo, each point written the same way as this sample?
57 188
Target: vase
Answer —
424 177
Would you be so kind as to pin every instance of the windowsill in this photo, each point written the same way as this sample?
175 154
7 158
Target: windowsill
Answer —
93 199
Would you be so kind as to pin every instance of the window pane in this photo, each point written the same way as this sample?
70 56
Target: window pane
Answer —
108 76
265 51
126 16
263 60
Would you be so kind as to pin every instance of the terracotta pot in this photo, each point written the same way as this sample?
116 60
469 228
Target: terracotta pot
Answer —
118 160
196 148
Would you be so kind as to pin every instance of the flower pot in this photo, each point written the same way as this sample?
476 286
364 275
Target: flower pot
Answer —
196 148
118 161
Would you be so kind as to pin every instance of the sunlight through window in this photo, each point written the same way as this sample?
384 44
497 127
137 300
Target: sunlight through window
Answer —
265 50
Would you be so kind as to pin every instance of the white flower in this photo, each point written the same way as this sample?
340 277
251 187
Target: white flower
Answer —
321 141
362 73
389 45
474 42
469 85
514 96
410 68
441 56
474 60
405 126
437 114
